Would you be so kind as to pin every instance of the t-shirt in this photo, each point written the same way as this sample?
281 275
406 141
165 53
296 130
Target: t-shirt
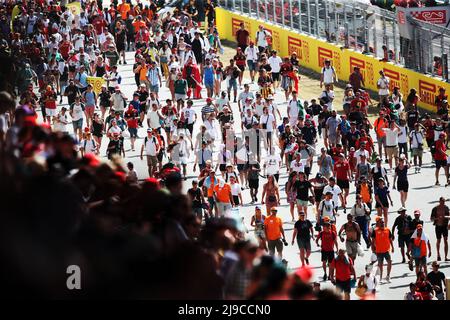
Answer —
273 164
77 111
436 278
336 190
440 146
298 166
302 188
343 268
382 240
384 86
391 137
416 138
195 198
326 209
189 114
267 121
327 238
223 194
303 229
275 63
273 226
328 74
341 169
235 189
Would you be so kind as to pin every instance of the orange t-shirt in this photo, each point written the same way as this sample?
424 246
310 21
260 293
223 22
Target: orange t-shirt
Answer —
223 194
137 25
273 227
365 193
143 73
423 246
378 126
123 9
382 240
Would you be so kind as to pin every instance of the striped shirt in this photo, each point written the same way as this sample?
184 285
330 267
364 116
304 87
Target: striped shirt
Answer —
207 109
153 76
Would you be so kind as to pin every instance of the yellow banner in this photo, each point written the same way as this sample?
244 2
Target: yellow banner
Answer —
312 52
96 83
75 7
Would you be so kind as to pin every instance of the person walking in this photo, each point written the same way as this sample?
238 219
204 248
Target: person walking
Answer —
440 216
257 222
341 270
151 147
270 196
328 239
303 233
401 177
273 227
403 223
382 246
223 198
419 248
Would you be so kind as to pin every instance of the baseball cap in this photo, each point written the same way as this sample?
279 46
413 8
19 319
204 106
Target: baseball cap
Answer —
326 219
401 209
257 208
418 212
117 88
209 99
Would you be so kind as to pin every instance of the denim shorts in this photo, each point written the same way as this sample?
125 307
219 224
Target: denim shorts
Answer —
251 65
232 83
77 124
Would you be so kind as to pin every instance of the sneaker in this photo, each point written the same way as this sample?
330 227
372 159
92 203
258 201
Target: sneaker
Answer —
439 258
437 183
388 279
410 265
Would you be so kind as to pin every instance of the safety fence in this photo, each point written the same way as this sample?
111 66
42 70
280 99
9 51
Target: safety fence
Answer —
312 51
364 28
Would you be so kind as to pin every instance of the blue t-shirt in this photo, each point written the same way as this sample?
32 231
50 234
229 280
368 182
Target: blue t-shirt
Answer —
90 98
208 74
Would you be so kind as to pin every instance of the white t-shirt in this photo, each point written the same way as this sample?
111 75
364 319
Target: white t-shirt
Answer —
261 40
336 190
61 125
89 146
298 166
251 53
235 189
273 164
221 103
328 74
326 208
330 95
403 137
189 114
153 117
293 112
77 111
275 63
113 130
384 86
259 108
358 154
391 137
151 145
268 120
416 138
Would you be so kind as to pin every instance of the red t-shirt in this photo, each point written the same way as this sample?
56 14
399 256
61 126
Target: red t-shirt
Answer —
341 169
342 269
327 239
132 123
440 145
242 36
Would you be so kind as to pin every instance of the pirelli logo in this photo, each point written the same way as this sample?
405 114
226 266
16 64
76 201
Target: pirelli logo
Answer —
323 55
427 92
295 45
236 24
354 62
394 78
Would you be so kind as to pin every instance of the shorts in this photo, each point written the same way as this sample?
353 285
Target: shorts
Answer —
304 244
333 139
211 202
343 286
77 124
416 152
89 109
275 244
232 83
327 256
253 183
439 163
381 140
286 82
421 261
382 256
152 161
242 167
242 68
251 65
441 231
179 96
403 240
209 84
351 247
402 185
133 132
384 203
391 151
154 89
275 76
302 203
160 155
50 112
236 200
343 184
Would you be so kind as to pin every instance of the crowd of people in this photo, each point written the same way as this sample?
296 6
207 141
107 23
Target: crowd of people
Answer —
86 204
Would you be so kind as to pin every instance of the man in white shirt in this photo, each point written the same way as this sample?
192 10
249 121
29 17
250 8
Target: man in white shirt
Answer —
383 86
243 97
327 96
275 64
152 149
361 151
251 54
328 75
272 164
293 109
190 116
261 38
392 134
416 137
332 187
